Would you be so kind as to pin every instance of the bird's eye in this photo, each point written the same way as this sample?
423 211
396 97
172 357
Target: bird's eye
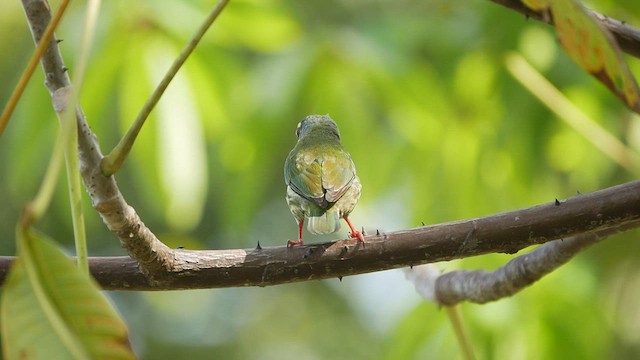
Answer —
298 129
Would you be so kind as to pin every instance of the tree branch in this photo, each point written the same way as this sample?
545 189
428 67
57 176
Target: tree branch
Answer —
601 213
480 286
628 37
120 218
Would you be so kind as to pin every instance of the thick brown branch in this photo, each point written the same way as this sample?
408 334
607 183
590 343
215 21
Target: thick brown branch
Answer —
628 37
602 212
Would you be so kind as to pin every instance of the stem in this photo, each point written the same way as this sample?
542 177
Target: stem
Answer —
455 316
41 201
541 88
71 153
75 197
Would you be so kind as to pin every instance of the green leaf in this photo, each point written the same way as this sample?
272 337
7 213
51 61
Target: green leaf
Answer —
51 310
594 49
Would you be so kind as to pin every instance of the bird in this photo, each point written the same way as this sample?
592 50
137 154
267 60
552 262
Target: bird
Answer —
322 185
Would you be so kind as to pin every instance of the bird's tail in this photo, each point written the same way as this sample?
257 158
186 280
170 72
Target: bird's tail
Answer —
326 223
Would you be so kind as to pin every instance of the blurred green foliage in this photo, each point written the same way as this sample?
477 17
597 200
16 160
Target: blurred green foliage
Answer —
438 130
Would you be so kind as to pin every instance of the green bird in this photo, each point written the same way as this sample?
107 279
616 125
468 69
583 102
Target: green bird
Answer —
322 185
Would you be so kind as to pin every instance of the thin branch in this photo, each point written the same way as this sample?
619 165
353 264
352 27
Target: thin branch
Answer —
482 286
628 37
603 212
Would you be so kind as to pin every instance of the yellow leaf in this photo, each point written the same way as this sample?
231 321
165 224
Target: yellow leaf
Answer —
594 49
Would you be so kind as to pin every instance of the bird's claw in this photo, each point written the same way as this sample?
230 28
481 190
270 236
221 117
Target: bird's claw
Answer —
357 235
292 243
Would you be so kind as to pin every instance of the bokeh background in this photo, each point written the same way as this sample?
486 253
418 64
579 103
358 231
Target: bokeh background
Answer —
439 131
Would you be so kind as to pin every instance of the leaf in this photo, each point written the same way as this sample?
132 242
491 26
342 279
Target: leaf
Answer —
50 310
594 49
537 5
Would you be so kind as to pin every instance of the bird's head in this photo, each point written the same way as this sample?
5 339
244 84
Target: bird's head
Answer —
317 125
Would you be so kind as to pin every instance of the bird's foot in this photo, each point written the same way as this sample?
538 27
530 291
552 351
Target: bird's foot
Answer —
357 235
292 243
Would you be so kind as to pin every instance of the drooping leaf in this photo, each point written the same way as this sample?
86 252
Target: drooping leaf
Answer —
594 49
51 310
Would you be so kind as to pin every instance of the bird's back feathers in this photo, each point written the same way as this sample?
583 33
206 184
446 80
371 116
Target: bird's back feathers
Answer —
320 175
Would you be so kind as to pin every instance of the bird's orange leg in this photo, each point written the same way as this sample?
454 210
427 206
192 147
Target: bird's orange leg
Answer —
292 243
354 233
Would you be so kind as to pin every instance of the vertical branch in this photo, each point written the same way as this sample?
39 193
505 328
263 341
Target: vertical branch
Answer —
152 255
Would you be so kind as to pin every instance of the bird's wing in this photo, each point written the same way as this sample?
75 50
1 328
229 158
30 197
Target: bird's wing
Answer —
338 172
304 175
